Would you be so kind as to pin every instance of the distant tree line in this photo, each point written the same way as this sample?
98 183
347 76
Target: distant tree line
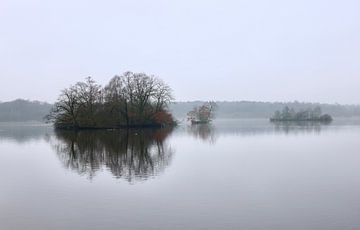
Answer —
289 114
23 110
129 100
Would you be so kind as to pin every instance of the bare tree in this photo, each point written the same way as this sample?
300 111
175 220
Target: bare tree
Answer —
137 97
163 95
66 110
89 93
117 99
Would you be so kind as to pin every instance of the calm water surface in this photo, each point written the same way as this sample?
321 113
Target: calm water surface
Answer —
235 174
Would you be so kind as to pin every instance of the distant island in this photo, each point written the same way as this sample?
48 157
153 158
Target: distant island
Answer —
202 114
132 100
289 114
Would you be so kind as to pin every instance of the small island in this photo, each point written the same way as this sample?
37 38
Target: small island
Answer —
132 100
311 115
202 114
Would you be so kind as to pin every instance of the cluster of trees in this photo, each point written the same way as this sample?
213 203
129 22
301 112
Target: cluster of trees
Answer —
129 100
202 114
289 114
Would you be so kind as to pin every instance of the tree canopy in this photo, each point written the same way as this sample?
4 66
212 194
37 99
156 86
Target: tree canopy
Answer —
128 100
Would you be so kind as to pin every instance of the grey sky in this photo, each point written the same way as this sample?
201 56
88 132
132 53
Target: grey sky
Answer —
306 50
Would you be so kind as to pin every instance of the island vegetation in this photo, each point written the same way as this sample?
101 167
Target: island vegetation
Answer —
129 100
289 114
202 114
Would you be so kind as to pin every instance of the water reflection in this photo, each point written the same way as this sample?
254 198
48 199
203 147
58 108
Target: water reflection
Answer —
132 155
299 126
250 127
205 132
22 132
27 132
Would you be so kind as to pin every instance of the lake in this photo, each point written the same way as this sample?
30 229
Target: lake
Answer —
233 174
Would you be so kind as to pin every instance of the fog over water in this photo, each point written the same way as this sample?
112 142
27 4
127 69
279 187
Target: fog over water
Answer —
207 50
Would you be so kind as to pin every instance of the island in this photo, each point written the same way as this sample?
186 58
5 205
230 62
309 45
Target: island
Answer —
132 100
310 114
202 114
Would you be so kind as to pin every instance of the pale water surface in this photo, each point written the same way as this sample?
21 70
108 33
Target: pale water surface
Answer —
234 174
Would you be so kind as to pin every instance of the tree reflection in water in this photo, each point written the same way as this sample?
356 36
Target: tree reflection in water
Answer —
129 154
211 132
205 132
294 127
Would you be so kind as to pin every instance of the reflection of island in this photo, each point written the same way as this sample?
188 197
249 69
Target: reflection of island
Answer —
298 126
204 132
253 127
132 155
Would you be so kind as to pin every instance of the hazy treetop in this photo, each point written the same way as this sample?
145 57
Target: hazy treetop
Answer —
208 50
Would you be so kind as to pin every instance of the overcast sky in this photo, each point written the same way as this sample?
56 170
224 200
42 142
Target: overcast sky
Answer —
279 50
